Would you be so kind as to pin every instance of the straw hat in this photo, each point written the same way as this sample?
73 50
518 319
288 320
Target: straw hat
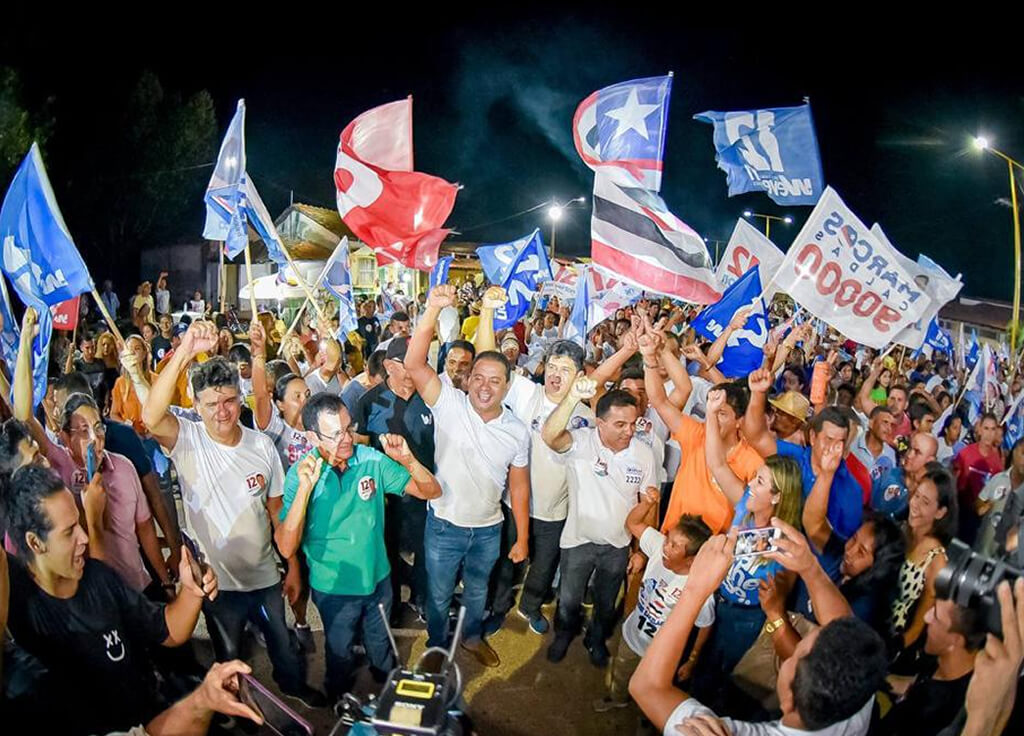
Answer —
793 403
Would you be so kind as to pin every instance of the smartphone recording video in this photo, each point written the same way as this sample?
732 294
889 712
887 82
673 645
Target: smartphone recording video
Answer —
754 542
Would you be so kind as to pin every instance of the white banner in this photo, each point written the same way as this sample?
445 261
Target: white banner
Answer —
940 288
839 272
748 247
563 285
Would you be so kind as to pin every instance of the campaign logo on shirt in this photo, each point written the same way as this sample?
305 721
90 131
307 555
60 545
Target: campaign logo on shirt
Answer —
892 492
255 483
114 646
644 425
427 418
577 422
633 475
366 488
601 468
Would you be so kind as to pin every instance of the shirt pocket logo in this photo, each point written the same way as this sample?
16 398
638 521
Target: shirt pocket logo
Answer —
366 488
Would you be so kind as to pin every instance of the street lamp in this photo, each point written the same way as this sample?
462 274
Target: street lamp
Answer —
787 220
555 212
981 143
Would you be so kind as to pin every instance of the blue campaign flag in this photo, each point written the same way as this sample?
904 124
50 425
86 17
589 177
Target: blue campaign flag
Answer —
773 150
939 339
1014 422
439 273
576 330
337 279
256 214
519 267
39 256
10 334
225 194
972 350
744 351
622 127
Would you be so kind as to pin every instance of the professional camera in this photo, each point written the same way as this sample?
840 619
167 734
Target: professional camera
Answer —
970 581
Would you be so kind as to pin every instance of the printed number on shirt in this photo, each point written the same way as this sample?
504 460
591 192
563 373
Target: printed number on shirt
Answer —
255 483
646 627
633 475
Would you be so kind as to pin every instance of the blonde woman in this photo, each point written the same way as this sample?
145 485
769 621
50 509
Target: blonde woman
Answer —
126 407
776 490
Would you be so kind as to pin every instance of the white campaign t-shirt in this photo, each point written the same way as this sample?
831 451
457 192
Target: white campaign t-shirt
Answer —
659 594
291 443
473 458
603 488
549 488
648 431
317 384
225 490
855 725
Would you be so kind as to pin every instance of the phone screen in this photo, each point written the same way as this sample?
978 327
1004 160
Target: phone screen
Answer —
197 562
90 462
277 716
753 542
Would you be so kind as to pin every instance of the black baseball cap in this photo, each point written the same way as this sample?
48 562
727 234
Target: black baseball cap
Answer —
396 349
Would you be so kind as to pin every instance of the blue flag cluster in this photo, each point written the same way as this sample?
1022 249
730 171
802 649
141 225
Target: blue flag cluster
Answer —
337 280
39 256
939 339
773 151
744 351
576 330
519 267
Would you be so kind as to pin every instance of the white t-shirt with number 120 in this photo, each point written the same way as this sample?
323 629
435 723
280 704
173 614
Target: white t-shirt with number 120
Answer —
659 594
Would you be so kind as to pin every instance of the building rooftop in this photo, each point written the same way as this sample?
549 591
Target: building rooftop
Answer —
989 313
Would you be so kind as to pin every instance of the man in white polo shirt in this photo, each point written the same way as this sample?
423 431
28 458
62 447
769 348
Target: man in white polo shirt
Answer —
607 470
479 445
232 483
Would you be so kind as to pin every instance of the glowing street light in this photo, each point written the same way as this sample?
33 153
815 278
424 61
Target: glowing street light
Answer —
787 220
981 143
555 212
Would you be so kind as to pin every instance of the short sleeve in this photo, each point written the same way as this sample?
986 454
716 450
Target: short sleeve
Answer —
650 474
394 478
275 427
186 442
290 488
651 541
579 436
706 616
789 449
687 709
522 456
446 403
275 487
689 434
142 510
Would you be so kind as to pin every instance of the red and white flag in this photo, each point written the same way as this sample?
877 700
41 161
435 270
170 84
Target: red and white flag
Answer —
393 209
65 314
634 236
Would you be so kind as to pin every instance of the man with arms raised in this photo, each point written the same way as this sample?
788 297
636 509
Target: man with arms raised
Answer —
480 445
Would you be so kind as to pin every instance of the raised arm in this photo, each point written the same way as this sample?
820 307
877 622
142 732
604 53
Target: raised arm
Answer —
715 451
422 483
200 337
607 370
717 348
424 378
653 383
554 432
863 400
652 685
288 534
754 425
494 298
815 514
636 522
182 613
261 389
794 553
23 380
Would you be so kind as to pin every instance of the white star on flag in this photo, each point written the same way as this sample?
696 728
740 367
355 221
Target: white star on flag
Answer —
632 115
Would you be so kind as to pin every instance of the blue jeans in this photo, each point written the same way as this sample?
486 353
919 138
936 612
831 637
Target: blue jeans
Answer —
226 617
449 549
736 629
343 615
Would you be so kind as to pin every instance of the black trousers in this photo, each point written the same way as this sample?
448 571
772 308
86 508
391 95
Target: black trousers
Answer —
607 565
544 556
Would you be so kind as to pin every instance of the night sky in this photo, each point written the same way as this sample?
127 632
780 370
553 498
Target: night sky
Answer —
894 111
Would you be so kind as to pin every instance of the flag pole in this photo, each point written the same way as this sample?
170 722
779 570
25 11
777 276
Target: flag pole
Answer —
106 316
252 286
295 322
71 351
221 286
305 287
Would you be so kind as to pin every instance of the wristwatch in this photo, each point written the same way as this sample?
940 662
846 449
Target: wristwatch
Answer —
772 626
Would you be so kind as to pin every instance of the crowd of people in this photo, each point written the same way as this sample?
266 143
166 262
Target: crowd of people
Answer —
603 489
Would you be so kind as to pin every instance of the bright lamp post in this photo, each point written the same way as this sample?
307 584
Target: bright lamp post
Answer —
555 212
787 220
981 143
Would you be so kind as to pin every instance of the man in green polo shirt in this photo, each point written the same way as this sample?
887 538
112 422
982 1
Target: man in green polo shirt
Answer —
334 509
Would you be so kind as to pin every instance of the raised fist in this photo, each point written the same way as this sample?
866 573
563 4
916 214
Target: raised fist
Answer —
760 381
583 388
494 298
442 296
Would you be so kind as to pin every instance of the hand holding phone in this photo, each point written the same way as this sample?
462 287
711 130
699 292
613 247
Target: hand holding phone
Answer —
196 561
277 716
90 460
757 542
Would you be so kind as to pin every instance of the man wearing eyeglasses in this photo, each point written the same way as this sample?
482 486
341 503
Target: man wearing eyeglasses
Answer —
334 508
232 482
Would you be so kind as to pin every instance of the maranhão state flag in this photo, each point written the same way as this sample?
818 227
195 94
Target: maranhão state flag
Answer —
396 211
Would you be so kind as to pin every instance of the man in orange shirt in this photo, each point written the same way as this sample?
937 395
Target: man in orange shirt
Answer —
694 491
